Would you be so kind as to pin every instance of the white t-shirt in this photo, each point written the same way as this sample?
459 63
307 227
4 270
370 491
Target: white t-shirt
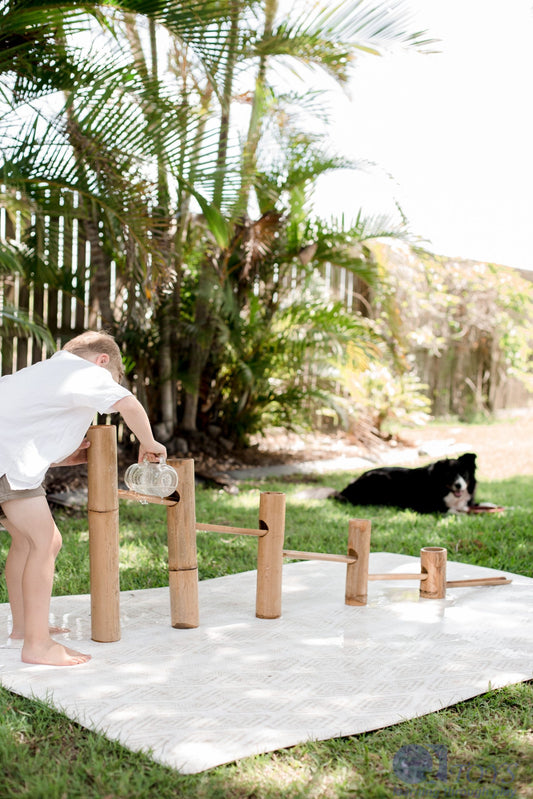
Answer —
45 411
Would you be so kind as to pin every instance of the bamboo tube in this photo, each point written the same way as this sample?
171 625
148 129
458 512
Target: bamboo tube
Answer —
221 528
479 581
104 576
327 556
184 608
433 563
102 468
270 555
103 533
357 571
182 559
406 576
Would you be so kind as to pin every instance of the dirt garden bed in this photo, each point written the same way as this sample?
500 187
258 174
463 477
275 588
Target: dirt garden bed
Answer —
504 446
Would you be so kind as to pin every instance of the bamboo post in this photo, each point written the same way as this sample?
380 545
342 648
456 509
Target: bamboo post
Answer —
182 559
270 555
103 533
433 563
357 571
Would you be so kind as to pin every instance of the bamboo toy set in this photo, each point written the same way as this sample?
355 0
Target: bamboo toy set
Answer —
182 527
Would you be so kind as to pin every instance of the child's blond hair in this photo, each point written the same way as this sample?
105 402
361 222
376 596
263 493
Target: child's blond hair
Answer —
96 342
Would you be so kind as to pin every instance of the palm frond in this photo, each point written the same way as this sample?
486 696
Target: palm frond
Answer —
378 226
14 321
344 245
11 256
330 36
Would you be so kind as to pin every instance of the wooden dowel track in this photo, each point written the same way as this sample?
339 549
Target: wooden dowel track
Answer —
405 576
480 581
123 494
293 553
221 528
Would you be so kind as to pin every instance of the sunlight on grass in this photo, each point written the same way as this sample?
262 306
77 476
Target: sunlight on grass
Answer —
524 740
295 776
306 502
454 520
134 556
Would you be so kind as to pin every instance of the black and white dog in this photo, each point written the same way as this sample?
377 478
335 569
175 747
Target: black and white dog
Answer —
447 485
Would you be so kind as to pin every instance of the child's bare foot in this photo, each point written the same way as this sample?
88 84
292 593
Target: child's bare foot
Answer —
53 654
16 636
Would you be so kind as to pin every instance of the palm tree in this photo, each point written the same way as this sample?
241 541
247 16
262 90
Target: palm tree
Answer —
141 152
328 41
96 139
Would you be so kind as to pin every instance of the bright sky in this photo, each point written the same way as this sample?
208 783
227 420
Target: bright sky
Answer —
452 133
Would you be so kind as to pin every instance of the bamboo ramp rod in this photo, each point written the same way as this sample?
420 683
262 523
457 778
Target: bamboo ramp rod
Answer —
123 494
406 576
480 581
293 553
221 528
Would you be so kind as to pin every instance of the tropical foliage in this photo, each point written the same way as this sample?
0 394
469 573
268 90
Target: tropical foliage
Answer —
461 330
160 134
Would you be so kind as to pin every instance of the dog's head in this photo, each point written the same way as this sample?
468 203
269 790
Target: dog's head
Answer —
457 476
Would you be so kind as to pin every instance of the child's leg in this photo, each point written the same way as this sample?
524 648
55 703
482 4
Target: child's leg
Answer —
14 569
15 563
36 534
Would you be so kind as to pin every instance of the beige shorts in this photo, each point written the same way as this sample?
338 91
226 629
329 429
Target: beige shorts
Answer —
6 493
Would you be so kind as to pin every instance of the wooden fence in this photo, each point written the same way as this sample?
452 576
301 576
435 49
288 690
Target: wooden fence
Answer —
63 243
67 315
64 314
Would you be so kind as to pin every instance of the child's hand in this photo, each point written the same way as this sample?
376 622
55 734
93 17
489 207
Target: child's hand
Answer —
152 452
79 456
137 420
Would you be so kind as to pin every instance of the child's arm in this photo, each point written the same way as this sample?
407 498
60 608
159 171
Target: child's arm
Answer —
137 420
78 457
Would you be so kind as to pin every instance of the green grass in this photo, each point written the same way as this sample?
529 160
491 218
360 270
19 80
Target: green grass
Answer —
488 740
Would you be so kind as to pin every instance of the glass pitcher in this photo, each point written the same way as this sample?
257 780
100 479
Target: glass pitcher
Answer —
153 479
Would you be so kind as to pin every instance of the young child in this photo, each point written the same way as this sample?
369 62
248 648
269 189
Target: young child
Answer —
45 411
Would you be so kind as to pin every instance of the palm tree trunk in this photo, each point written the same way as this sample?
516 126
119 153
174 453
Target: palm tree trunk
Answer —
198 354
100 312
167 393
167 383
166 371
202 342
256 116
231 61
